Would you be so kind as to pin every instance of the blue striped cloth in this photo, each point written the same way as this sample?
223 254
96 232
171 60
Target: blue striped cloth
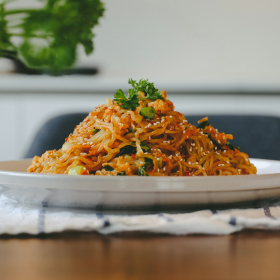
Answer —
16 218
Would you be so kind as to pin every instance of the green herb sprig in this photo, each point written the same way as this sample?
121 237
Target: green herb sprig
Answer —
147 88
131 102
50 35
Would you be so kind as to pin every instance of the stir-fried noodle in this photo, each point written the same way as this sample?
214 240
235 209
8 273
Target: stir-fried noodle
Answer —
113 140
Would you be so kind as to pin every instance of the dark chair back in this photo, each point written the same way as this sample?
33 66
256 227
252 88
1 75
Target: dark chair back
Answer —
257 136
53 133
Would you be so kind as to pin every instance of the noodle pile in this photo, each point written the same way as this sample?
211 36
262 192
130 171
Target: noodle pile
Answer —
116 141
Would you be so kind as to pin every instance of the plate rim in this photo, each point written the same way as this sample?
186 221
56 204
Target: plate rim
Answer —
16 175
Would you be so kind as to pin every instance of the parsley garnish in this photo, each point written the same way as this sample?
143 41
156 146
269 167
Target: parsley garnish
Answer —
131 102
148 88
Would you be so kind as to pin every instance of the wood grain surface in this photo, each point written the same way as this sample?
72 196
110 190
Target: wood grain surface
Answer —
247 255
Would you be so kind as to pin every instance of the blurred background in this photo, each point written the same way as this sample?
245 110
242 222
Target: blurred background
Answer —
212 57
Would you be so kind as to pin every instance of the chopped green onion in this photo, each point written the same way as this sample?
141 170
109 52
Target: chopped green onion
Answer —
231 147
132 130
142 170
148 161
122 173
77 170
95 131
145 147
148 112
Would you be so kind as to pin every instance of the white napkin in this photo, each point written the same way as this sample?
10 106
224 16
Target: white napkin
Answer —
16 218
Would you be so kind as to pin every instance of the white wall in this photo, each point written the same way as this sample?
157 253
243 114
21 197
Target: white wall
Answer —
202 41
198 40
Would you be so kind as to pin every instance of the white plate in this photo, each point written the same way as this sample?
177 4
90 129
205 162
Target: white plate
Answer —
99 192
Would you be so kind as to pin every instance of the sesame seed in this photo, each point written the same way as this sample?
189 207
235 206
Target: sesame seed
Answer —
189 162
219 141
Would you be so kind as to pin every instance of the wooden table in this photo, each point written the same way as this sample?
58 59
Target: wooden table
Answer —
247 255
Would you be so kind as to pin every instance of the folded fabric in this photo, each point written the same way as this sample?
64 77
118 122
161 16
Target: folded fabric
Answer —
16 218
